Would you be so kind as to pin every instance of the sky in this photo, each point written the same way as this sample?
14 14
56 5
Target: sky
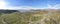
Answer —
29 4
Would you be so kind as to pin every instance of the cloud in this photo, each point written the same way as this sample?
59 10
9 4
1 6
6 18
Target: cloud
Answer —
57 6
19 7
25 7
3 5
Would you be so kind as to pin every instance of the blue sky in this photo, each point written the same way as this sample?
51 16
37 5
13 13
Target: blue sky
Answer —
32 3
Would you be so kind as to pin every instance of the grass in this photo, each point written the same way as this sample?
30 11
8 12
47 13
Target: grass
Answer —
28 17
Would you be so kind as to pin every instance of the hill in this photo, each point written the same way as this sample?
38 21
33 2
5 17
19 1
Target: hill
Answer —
32 17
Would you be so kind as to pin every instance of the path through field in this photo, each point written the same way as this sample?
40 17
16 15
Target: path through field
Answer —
4 22
42 21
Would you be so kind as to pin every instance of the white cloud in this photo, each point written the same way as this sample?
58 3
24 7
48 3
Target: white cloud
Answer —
25 7
20 7
57 6
3 5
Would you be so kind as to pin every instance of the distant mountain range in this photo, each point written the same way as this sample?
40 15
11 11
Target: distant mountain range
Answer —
8 11
21 10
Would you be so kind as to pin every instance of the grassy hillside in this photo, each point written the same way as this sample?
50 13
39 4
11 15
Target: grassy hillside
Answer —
34 17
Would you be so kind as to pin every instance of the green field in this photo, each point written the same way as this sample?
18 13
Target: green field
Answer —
35 17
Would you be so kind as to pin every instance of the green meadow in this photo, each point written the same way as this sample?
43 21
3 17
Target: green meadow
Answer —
34 17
